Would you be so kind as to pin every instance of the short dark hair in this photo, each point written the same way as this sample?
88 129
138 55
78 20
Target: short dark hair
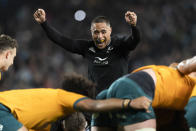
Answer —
74 122
79 84
6 42
101 19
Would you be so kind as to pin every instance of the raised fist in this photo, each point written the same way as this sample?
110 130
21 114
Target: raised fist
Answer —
40 16
131 18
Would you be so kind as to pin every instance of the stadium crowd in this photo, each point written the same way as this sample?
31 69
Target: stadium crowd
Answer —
168 31
167 27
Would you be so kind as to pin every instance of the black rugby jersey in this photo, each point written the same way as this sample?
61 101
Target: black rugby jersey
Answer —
104 65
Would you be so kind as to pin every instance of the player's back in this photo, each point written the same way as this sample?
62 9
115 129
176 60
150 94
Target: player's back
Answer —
172 89
36 108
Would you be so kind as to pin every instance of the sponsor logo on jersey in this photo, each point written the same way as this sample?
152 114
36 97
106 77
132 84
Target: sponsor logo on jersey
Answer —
110 48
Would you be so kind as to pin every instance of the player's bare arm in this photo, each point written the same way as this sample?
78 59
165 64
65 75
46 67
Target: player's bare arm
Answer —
40 16
131 18
113 104
187 66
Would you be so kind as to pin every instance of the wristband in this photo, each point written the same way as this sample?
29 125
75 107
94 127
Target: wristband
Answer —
126 103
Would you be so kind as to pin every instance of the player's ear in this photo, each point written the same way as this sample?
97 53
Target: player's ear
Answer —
110 28
7 53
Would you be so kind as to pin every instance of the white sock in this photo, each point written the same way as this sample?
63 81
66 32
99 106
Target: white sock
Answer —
149 129
192 129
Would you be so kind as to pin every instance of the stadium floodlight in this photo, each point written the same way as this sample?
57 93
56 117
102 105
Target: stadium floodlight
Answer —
79 15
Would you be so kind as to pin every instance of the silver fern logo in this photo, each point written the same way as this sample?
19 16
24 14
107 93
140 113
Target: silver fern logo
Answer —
101 59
